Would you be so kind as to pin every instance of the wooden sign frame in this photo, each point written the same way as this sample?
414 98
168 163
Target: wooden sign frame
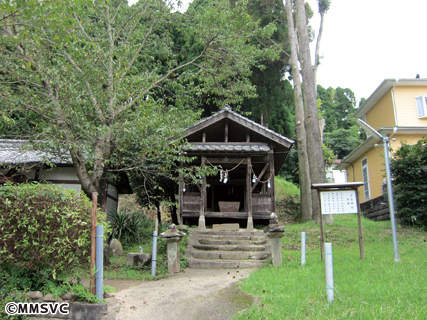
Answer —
328 187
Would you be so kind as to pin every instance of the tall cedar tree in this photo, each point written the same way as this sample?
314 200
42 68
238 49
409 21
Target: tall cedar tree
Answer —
274 104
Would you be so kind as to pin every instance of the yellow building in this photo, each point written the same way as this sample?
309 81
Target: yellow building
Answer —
397 108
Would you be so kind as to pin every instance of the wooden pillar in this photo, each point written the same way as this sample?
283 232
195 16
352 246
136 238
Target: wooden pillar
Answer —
226 131
181 196
359 221
93 241
272 191
204 136
250 226
248 136
202 223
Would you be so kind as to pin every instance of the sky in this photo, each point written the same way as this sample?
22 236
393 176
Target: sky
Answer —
367 41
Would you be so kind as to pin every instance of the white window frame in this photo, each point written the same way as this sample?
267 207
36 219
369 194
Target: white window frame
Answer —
365 175
421 103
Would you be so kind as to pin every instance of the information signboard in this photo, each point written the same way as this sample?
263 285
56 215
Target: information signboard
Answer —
338 202
339 198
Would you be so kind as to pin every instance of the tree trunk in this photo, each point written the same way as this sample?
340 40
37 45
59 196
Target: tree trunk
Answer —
97 181
317 53
314 144
159 213
173 209
304 169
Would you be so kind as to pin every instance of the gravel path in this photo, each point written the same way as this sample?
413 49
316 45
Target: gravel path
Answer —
193 294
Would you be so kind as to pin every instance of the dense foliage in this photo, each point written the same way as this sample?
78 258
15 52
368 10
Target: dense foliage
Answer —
409 170
274 103
125 226
108 83
45 230
337 106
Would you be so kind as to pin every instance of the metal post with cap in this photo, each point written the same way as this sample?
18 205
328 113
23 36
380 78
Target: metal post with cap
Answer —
385 140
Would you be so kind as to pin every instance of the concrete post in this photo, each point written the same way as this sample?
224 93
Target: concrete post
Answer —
250 225
275 233
202 223
172 237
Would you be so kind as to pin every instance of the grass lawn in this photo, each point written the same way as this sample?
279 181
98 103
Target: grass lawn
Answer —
374 288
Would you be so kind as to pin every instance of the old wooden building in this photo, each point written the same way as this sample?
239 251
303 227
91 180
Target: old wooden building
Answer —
248 156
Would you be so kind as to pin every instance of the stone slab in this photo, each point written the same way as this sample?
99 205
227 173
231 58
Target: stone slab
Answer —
136 259
224 264
226 227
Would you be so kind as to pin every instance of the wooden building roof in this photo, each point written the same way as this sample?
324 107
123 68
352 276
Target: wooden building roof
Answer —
243 136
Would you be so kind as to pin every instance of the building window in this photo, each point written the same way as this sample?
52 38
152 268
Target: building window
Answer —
421 106
366 178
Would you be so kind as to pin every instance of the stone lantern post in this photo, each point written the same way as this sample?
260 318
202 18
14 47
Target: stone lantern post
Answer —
172 237
275 232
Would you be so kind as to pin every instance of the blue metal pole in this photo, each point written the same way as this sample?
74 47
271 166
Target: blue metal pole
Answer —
303 237
329 272
154 253
99 263
390 198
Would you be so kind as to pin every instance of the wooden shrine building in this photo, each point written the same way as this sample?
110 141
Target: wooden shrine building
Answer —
248 155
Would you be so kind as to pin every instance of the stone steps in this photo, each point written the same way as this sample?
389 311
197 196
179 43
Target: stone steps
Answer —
233 242
223 264
229 247
216 249
230 255
231 237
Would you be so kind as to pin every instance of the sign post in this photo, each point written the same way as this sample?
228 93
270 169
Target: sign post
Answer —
339 198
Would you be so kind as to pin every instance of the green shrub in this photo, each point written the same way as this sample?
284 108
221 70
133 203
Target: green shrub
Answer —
409 170
9 282
44 230
125 226
287 199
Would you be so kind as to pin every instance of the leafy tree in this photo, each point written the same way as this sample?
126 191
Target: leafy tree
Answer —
107 82
272 107
343 141
337 107
152 190
409 170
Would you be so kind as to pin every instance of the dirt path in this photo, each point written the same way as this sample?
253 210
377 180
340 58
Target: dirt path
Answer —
195 294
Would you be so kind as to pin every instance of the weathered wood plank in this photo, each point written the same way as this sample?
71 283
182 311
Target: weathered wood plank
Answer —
204 204
204 124
226 131
228 215
248 200
260 177
225 160
186 207
181 194
272 189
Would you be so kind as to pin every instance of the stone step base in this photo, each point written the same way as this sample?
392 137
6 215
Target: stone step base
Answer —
230 237
230 255
224 264
247 247
218 249
231 241
241 232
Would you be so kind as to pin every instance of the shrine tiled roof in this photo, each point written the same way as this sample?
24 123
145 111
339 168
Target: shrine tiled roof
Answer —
234 147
